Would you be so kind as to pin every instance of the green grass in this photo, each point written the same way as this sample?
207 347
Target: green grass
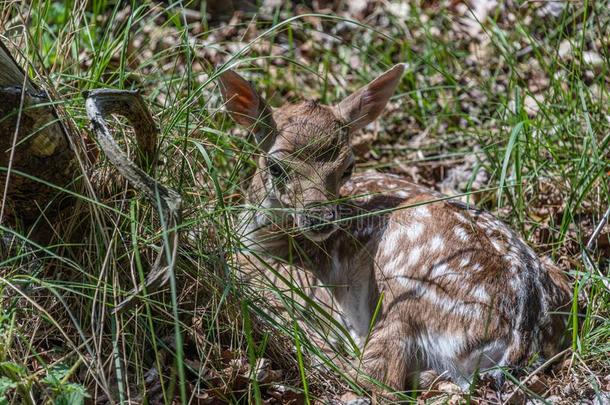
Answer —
548 179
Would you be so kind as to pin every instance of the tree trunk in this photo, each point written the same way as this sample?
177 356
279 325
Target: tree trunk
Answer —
36 159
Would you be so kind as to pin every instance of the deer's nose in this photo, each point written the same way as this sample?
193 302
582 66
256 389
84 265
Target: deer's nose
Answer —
320 218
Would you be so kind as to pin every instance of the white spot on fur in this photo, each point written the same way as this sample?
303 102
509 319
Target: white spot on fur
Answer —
414 256
515 259
452 306
436 243
411 284
497 245
480 293
396 265
439 270
504 230
465 261
461 233
421 212
482 227
392 236
461 217
362 198
477 267
414 230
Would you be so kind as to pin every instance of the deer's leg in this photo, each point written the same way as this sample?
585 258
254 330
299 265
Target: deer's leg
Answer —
387 359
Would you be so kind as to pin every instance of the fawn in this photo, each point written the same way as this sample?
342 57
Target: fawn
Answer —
456 291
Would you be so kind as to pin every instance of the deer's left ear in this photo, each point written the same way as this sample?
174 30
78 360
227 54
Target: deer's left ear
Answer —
364 106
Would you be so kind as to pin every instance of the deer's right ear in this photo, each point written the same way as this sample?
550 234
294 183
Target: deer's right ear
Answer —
365 105
247 107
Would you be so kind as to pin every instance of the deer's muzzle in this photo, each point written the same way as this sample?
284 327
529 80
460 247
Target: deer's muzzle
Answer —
317 221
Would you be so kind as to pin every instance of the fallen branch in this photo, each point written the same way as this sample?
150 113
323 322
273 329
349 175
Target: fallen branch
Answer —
99 104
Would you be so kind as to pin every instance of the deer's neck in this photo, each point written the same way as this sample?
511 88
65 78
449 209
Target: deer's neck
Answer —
345 267
344 262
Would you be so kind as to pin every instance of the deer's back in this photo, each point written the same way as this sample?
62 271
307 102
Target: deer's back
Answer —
456 281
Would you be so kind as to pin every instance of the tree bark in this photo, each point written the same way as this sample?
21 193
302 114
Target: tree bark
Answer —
36 158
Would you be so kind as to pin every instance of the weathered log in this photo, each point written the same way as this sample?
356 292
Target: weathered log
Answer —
36 159
37 162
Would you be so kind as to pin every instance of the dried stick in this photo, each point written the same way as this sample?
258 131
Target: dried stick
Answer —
130 104
591 268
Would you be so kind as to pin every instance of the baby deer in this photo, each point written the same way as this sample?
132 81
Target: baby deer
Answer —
455 290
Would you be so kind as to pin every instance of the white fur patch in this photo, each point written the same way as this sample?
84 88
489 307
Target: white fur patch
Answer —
437 243
392 237
396 265
445 354
421 212
414 256
441 350
497 245
414 230
439 270
411 284
361 199
461 217
452 306
480 293
461 233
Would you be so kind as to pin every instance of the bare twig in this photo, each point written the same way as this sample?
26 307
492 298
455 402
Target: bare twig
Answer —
591 268
100 103
598 229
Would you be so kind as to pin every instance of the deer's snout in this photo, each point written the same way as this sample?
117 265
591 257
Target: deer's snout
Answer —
318 220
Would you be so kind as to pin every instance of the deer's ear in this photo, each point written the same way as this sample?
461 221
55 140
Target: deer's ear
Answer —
247 107
363 106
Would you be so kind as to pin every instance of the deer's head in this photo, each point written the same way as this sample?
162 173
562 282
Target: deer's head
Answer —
306 153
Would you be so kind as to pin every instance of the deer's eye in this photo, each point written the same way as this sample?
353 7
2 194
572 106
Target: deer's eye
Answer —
348 172
275 168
